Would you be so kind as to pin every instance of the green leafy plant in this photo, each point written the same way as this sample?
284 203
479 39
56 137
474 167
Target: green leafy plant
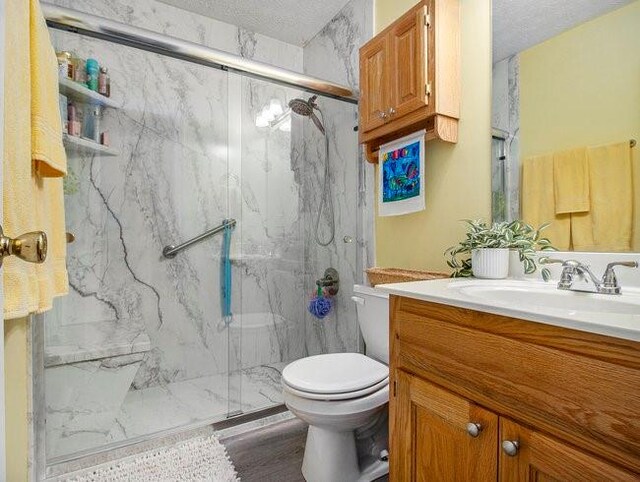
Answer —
528 240
512 235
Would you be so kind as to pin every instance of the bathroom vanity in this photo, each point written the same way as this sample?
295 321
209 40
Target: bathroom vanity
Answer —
483 390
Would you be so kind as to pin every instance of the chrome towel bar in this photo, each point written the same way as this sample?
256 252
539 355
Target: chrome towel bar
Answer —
171 250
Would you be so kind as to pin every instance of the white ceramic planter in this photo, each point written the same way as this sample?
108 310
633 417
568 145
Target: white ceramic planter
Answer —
490 263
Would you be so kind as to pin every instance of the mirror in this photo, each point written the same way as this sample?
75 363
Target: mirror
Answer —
565 117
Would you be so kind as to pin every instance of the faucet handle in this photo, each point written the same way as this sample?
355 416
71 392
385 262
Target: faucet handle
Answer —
628 264
610 281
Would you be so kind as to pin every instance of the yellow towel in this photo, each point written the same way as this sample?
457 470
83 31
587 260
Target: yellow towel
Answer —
538 204
571 181
47 150
32 202
608 225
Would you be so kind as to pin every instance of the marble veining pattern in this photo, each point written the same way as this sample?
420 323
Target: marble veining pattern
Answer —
192 155
333 54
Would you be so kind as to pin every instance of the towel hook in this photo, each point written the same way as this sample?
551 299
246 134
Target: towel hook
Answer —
30 247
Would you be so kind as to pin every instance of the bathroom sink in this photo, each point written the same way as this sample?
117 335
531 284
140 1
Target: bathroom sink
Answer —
539 295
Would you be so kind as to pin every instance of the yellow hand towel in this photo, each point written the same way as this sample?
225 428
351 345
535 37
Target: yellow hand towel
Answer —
608 225
571 181
538 203
31 202
47 150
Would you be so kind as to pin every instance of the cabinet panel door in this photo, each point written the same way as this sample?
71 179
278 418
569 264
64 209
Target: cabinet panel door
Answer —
541 458
429 438
374 83
408 67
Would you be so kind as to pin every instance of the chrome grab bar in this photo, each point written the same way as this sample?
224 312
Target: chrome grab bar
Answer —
171 250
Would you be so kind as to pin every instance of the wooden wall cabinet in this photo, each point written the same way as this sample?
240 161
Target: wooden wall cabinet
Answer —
481 397
410 77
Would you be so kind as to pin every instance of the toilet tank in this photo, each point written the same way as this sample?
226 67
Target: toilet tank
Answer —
372 307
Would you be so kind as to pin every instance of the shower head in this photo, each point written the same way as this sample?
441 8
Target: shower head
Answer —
305 108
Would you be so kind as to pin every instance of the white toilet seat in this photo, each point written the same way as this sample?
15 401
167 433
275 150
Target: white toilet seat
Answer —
335 373
336 396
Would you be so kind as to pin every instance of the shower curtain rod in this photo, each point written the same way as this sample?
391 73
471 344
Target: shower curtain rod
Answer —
93 26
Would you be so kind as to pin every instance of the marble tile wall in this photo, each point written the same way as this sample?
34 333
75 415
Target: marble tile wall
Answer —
333 55
190 156
506 117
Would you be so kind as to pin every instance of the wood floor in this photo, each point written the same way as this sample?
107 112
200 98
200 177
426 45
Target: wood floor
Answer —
272 453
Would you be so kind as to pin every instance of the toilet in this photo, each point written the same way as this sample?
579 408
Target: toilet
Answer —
344 399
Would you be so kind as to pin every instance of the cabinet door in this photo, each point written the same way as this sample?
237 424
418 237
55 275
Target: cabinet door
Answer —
408 66
430 440
374 84
541 458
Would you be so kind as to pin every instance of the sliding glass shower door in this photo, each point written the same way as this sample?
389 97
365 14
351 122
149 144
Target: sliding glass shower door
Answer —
143 343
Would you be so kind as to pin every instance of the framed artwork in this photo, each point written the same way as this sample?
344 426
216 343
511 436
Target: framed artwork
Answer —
401 179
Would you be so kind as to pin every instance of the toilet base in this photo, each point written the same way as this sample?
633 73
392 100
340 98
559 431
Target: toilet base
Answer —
331 456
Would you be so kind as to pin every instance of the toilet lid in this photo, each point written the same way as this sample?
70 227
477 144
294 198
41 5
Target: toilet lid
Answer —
334 373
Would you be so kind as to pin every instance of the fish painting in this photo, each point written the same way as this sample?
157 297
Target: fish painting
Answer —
401 173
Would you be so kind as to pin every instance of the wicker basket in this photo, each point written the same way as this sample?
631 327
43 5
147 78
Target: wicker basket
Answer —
379 276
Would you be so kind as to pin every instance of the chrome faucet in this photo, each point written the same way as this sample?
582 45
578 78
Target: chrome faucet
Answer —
572 269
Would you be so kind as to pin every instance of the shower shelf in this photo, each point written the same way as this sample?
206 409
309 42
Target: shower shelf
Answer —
86 146
75 91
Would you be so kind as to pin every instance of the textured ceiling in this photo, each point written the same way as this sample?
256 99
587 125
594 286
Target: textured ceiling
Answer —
292 21
520 24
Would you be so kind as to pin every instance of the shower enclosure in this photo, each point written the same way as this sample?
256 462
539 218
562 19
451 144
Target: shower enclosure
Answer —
141 344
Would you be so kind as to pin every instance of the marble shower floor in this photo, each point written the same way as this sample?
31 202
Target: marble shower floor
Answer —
155 409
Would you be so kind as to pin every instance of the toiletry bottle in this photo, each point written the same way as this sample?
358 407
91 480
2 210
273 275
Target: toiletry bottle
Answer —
104 82
73 119
91 125
63 104
63 63
93 70
80 71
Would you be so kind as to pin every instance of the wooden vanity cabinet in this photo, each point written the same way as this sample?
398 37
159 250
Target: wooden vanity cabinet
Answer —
463 383
410 77
431 442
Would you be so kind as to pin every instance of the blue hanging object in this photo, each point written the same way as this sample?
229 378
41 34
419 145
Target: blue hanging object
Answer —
319 306
225 274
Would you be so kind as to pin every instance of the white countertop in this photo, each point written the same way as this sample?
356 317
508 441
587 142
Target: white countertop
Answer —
569 309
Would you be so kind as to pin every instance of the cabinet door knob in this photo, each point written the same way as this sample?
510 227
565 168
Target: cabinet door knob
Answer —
392 112
381 114
510 447
29 247
474 429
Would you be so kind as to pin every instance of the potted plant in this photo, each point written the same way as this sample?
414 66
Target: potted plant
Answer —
484 253
487 249
525 242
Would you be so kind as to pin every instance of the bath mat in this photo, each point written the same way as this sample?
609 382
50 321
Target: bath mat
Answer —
199 459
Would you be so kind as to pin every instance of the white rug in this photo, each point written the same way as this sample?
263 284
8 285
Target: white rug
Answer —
199 459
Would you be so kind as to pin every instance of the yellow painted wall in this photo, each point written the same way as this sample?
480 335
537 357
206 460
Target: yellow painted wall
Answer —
582 88
17 392
458 176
